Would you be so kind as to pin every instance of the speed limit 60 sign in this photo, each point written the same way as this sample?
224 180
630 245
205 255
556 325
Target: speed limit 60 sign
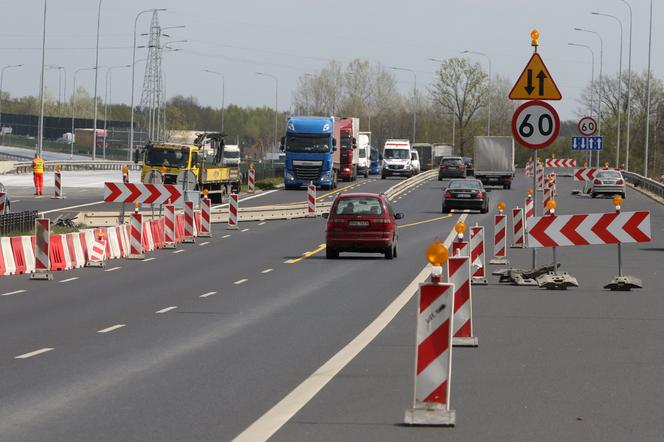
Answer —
587 126
535 124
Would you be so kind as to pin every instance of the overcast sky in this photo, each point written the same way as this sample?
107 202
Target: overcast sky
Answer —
287 38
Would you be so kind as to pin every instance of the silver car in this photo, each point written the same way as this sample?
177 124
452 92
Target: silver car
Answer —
607 182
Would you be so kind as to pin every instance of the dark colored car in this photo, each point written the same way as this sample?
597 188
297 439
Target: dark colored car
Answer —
361 222
465 194
451 167
468 162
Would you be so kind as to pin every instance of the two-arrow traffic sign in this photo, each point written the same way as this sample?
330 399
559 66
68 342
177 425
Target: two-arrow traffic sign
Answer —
535 82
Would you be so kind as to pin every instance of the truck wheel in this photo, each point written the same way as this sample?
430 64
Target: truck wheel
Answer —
366 173
382 176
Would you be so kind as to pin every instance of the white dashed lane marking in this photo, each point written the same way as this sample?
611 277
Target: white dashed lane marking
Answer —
205 295
267 271
204 243
111 328
112 269
33 353
150 259
178 251
241 281
15 292
167 309
69 279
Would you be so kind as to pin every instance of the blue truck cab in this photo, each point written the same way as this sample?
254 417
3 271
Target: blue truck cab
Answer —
311 152
375 162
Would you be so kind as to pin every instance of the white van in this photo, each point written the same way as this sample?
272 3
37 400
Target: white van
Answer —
396 159
415 161
364 153
231 155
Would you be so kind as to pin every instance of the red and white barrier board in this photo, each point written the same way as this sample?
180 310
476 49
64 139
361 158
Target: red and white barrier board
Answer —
529 168
540 176
58 185
232 211
460 248
206 211
42 249
585 174
433 357
559 162
477 256
169 226
251 181
136 236
517 228
458 268
529 208
188 222
97 253
589 229
499 240
311 200
143 193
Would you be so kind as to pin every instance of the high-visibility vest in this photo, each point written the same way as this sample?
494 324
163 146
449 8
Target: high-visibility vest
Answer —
38 165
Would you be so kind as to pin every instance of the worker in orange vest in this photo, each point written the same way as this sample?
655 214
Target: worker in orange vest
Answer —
38 174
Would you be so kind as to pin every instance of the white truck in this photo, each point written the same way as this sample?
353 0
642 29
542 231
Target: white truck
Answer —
493 160
364 153
441 150
231 155
396 159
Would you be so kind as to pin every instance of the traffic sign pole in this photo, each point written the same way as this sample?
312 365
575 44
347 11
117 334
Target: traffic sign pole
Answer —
534 207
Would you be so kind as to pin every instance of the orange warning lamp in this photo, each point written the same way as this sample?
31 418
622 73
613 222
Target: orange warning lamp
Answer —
551 205
606 164
459 227
205 192
58 168
251 165
501 206
437 253
125 170
136 207
163 169
617 201
530 193
534 35
585 164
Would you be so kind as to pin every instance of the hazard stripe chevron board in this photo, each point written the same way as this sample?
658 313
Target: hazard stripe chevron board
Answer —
559 162
143 193
589 229
585 174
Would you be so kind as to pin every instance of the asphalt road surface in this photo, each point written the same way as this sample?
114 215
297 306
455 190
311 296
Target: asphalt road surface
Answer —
200 342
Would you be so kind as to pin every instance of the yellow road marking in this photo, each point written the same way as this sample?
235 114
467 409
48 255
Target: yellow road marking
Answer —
325 195
307 254
423 222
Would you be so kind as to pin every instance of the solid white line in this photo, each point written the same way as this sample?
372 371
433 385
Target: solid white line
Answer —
282 412
15 292
111 328
205 295
112 269
167 309
72 207
204 243
225 236
150 259
241 281
179 251
287 261
33 353
267 270
258 195
69 279
260 224
244 230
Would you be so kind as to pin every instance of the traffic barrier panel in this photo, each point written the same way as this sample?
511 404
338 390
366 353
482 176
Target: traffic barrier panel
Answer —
169 226
19 257
136 236
97 253
114 242
100 233
27 243
197 222
540 176
179 232
517 228
311 200
76 246
529 169
57 253
65 252
529 208
42 250
118 233
460 248
188 222
8 265
560 163
433 357
458 268
89 235
58 185
148 244
477 257
232 211
585 173
206 210
251 180
500 240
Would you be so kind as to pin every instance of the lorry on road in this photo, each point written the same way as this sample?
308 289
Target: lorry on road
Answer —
441 150
311 151
200 164
231 155
493 160
425 153
396 159
364 154
349 129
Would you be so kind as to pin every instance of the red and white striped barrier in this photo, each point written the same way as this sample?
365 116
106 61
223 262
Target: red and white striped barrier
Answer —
311 200
58 185
559 162
206 210
232 211
517 228
529 208
3 203
136 236
460 248
585 174
7 264
477 263
169 226
548 193
529 169
433 357
499 240
144 193
97 253
188 222
42 250
458 268
540 176
114 243
251 181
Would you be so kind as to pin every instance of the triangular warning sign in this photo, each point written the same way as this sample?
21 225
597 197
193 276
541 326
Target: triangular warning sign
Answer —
535 82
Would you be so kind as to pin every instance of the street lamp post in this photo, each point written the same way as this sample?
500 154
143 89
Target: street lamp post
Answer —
592 82
94 135
601 70
223 94
73 110
40 135
2 78
414 95
107 99
276 102
488 123
645 154
619 82
629 88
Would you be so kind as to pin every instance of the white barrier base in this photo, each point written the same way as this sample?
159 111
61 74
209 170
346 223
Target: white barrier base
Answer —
425 416
41 276
169 245
465 342
95 264
136 256
204 235
517 246
499 261
479 281
235 227
189 240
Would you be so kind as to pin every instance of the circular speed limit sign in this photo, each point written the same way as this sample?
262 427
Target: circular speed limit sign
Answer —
587 126
535 124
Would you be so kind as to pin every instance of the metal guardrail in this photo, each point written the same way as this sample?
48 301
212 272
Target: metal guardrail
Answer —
18 222
49 166
647 184
409 183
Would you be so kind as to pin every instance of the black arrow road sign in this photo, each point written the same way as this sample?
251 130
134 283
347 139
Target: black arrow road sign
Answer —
541 76
529 88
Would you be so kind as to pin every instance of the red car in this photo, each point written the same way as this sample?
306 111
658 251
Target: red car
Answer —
361 222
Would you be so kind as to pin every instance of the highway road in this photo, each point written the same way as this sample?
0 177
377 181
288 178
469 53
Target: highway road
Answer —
199 343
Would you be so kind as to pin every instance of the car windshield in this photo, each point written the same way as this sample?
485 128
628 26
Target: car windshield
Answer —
304 143
452 161
167 157
413 156
231 154
345 142
364 205
608 174
464 184
396 154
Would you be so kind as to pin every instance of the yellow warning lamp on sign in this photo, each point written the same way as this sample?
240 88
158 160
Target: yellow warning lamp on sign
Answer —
58 168
606 164
501 206
205 192
251 165
460 228
162 169
551 206
530 193
534 36
136 207
585 164
437 253
617 201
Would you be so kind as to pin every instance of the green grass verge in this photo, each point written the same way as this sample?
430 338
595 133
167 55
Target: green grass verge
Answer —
55 230
265 184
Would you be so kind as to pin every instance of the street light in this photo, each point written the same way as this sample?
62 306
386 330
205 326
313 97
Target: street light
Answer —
73 110
629 87
645 157
61 94
94 135
223 94
107 99
601 70
2 77
276 102
414 94
592 82
488 123
619 80
133 78
40 131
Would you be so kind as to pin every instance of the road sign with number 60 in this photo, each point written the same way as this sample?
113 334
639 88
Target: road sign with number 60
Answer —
587 126
535 124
